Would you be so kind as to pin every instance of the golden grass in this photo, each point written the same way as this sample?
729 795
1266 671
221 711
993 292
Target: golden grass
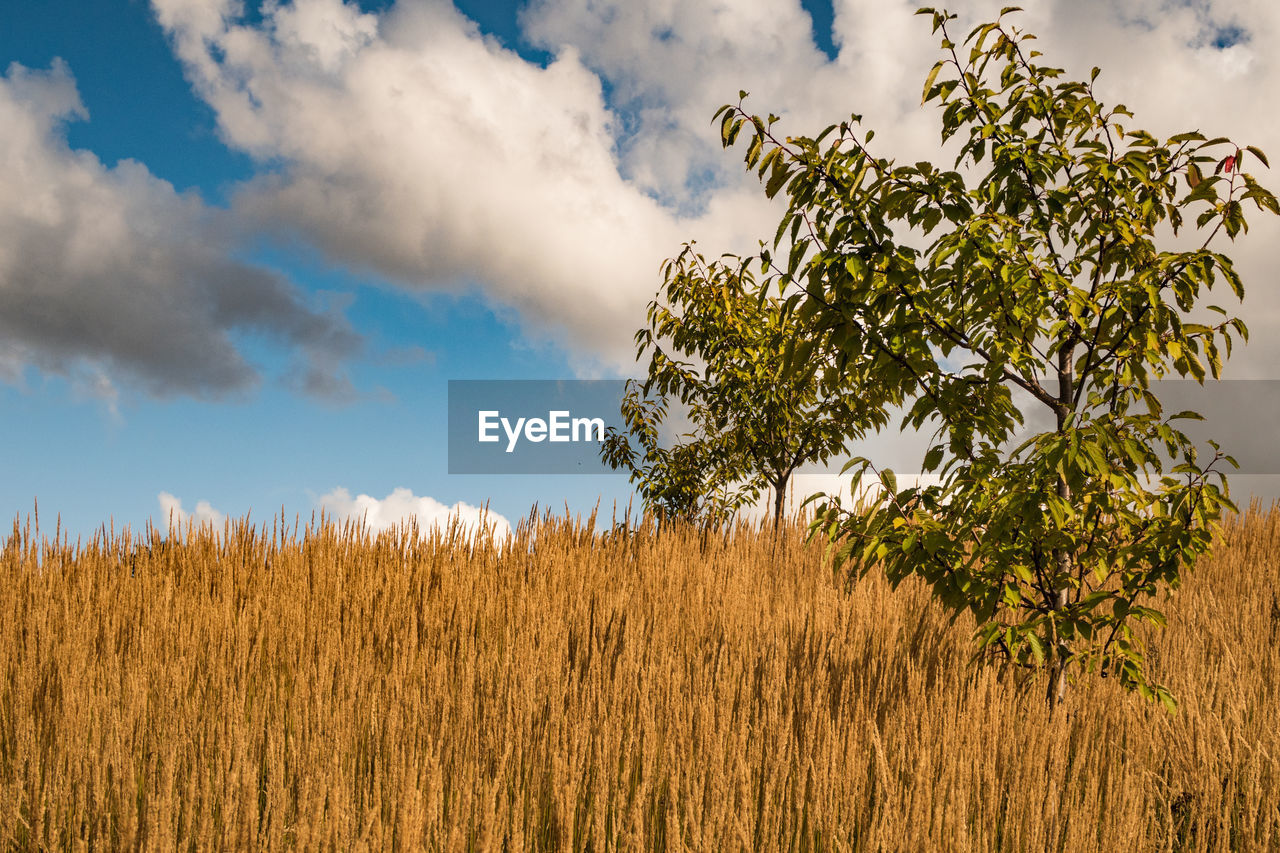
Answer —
331 689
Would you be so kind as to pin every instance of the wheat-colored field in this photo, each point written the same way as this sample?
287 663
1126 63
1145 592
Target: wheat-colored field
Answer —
327 688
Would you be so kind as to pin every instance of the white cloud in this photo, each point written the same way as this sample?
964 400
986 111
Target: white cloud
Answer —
410 145
173 516
403 506
672 64
109 274
1206 65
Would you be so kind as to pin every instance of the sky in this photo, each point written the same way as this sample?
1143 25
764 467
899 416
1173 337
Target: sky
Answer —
245 246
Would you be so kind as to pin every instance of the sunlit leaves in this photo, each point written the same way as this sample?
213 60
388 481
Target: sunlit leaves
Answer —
760 396
1029 276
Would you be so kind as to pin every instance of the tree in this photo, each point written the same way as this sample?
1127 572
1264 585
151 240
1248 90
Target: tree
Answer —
684 481
1042 270
718 348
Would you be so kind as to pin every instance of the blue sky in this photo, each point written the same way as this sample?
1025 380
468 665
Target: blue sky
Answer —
271 448
332 210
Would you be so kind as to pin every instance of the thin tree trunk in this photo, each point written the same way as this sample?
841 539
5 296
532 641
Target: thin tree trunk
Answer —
1057 692
779 499
1058 669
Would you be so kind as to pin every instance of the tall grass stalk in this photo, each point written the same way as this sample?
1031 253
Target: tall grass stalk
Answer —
324 687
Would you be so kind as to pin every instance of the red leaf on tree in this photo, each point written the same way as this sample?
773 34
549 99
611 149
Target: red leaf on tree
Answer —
1229 164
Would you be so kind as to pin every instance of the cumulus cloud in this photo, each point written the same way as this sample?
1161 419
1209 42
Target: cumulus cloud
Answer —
402 506
410 145
109 274
672 64
173 515
1178 66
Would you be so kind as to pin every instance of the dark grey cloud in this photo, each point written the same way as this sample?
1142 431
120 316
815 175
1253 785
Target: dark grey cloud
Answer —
111 272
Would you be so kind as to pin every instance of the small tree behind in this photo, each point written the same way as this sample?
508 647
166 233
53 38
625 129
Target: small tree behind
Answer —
1046 270
718 347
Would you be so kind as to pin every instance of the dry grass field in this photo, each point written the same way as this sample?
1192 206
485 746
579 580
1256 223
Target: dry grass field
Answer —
326 688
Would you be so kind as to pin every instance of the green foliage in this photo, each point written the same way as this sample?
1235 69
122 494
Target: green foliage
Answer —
719 347
1037 272
678 481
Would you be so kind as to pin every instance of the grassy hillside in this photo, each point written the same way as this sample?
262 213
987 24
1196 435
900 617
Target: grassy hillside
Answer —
327 688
